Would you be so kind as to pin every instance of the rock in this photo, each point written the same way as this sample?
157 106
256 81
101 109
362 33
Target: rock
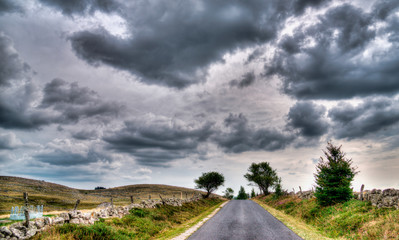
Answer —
75 221
5 231
48 221
65 216
58 220
17 233
31 232
39 222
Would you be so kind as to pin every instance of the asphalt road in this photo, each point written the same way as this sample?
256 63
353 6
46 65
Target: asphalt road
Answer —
243 220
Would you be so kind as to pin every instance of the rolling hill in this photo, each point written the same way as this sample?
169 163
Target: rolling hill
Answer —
57 197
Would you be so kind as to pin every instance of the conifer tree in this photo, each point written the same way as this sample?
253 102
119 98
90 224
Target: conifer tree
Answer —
334 176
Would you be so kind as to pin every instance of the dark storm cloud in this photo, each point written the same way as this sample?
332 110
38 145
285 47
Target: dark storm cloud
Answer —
308 118
66 158
173 43
301 5
241 137
332 67
81 7
12 67
383 8
245 81
153 143
75 103
369 117
85 135
9 6
7 141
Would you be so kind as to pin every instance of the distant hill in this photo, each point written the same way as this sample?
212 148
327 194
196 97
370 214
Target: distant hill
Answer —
58 197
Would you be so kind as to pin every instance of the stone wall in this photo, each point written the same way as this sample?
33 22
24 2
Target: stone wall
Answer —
19 231
387 198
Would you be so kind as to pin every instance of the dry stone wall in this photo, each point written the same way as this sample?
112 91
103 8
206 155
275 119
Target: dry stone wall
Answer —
19 231
387 198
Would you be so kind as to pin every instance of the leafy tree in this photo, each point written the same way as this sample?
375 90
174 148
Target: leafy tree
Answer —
334 176
262 175
209 181
253 194
278 189
229 193
242 195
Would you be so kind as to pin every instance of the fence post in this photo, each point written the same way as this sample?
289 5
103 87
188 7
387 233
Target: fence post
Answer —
163 202
76 205
26 210
131 199
112 202
300 189
361 192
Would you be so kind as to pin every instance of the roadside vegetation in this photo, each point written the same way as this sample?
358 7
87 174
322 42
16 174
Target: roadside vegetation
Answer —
332 212
159 223
353 219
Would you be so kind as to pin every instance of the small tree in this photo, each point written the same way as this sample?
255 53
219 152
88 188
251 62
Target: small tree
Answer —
278 189
253 194
333 177
262 175
242 195
229 193
209 181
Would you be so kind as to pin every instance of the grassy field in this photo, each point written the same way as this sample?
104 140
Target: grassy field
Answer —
57 197
163 222
351 220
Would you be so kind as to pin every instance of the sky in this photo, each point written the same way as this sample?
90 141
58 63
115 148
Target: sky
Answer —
111 92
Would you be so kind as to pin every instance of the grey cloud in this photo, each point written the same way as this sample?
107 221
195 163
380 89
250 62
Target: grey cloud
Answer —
308 118
383 8
156 144
369 117
81 7
245 81
66 158
11 65
75 103
328 69
241 137
85 135
301 5
9 6
180 39
8 141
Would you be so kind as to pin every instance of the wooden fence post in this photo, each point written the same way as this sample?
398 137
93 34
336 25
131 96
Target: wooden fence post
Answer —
26 210
76 205
300 189
131 199
112 202
361 192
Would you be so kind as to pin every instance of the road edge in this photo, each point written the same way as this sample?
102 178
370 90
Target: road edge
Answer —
194 228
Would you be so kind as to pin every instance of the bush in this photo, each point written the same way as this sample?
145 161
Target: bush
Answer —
334 176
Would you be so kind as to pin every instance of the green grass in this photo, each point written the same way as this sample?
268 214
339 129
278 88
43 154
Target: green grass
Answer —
139 224
352 220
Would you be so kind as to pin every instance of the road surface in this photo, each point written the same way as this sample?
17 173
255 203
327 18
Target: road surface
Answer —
243 220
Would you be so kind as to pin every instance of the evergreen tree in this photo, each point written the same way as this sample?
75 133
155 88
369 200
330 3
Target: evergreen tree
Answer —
278 189
253 193
242 194
333 177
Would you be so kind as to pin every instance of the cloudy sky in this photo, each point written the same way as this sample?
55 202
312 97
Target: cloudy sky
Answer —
112 92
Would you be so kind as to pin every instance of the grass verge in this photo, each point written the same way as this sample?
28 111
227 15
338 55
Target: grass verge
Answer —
160 223
351 220
298 226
